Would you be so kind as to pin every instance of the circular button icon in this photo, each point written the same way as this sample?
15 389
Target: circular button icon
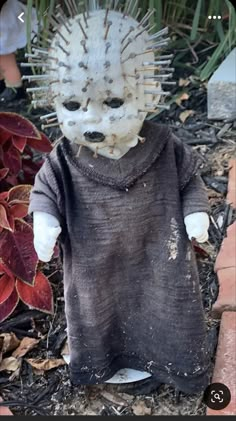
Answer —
217 396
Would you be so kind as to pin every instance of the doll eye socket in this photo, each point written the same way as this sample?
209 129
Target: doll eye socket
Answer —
72 105
114 102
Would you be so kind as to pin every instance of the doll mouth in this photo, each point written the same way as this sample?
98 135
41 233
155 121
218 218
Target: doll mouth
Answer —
94 137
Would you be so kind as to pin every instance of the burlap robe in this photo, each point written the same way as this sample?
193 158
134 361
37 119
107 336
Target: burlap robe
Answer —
131 285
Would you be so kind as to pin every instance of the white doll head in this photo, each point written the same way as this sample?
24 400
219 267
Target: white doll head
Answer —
102 76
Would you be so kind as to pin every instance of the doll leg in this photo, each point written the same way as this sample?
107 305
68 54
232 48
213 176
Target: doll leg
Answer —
12 77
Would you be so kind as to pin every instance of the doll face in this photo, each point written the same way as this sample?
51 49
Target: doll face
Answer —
98 92
102 119
100 107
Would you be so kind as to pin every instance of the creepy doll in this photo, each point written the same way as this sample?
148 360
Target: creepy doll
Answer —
123 196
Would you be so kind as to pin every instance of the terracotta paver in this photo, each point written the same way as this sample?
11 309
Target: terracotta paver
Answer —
4 410
226 300
231 196
225 366
225 306
227 255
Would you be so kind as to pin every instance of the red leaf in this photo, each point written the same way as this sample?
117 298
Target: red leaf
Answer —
4 136
12 180
38 296
6 270
12 160
4 195
19 142
29 167
42 145
5 219
7 285
28 151
19 211
19 194
7 308
18 125
3 173
18 253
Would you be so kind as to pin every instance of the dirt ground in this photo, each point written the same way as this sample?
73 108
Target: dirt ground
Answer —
50 392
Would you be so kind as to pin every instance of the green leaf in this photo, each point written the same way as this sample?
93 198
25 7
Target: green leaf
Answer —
210 67
220 30
196 21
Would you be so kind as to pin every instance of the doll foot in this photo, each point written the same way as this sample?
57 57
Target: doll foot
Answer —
11 94
142 387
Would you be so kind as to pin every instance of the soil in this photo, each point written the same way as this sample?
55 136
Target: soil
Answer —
50 392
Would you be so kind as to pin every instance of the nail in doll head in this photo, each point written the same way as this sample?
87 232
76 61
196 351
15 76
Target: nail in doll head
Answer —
103 76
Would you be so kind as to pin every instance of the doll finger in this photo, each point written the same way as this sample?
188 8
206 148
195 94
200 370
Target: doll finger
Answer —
45 259
47 243
42 249
45 250
45 255
196 232
55 231
203 238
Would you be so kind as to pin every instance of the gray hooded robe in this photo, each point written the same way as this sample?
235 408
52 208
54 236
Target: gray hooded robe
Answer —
131 286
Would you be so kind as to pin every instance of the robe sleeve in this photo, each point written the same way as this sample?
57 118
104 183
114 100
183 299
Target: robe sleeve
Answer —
45 195
192 189
194 197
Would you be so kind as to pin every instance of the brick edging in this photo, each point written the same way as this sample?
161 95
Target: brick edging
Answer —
4 410
225 306
225 365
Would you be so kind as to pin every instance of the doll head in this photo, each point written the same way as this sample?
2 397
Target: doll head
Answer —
102 76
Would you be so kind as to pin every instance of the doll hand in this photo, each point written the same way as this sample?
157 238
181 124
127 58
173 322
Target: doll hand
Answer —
46 231
197 225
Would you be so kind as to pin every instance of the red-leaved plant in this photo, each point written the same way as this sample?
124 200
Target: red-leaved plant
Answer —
20 278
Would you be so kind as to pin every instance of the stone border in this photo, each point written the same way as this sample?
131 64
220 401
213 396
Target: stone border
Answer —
225 306
4 410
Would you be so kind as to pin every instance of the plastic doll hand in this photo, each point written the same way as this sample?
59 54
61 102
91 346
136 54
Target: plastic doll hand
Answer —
46 231
197 225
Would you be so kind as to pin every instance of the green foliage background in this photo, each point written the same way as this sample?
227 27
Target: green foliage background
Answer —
206 41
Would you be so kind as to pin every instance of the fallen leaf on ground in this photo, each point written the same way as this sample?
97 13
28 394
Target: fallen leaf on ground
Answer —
10 342
126 397
10 364
184 82
45 365
96 405
114 398
65 349
182 97
25 346
16 374
185 114
140 408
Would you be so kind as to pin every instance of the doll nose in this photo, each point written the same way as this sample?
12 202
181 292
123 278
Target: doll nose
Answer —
92 116
94 137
